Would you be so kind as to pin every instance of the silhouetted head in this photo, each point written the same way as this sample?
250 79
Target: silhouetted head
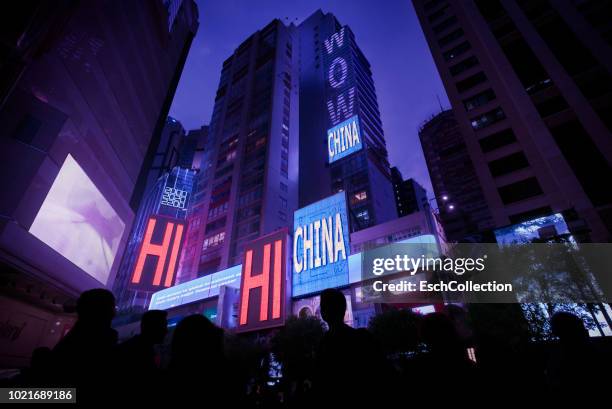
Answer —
196 340
154 325
568 327
333 306
438 332
96 307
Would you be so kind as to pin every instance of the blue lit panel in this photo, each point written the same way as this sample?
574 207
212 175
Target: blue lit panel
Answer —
196 290
529 230
344 139
321 246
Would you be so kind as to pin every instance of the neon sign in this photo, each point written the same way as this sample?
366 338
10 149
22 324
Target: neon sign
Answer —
174 197
321 246
159 253
263 282
344 139
344 135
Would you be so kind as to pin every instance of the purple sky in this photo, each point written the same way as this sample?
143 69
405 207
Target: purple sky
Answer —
388 33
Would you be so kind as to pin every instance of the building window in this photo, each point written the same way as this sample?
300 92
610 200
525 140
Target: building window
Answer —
433 3
464 65
449 38
363 216
508 164
497 140
283 187
215 225
585 159
551 106
488 118
218 210
437 14
471 81
359 197
456 51
515 192
479 99
213 241
444 24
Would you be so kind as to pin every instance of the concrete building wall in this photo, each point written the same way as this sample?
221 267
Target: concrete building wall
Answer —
530 87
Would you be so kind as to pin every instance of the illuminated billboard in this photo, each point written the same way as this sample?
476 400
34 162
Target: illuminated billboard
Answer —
321 246
263 282
344 139
78 222
344 133
159 253
196 290
174 197
531 230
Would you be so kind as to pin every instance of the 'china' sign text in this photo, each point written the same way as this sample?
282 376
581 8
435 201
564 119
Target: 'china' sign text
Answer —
320 246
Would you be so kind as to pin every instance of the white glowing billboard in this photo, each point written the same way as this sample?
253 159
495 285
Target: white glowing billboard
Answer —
78 222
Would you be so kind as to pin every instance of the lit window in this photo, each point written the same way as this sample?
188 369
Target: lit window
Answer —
213 240
363 215
360 196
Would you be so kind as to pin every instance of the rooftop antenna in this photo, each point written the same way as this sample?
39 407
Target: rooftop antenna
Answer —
439 103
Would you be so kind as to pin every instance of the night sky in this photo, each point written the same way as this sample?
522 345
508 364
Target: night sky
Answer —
388 32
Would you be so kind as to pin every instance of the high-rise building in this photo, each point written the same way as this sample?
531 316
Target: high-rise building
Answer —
531 89
464 213
171 193
168 197
410 196
342 145
203 164
250 187
85 90
168 151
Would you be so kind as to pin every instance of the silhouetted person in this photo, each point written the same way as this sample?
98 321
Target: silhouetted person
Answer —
445 362
39 373
574 367
83 357
198 368
136 360
350 366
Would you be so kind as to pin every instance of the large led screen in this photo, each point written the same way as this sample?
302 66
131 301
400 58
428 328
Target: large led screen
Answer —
529 230
78 222
344 139
321 246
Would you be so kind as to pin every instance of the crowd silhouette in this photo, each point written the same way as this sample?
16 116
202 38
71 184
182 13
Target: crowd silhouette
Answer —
349 365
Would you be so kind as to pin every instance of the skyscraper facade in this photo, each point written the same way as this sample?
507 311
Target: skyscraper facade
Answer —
250 186
531 89
85 89
342 144
87 86
464 213
167 153
410 196
168 197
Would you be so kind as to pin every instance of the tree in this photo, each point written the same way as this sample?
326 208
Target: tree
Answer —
294 346
396 331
